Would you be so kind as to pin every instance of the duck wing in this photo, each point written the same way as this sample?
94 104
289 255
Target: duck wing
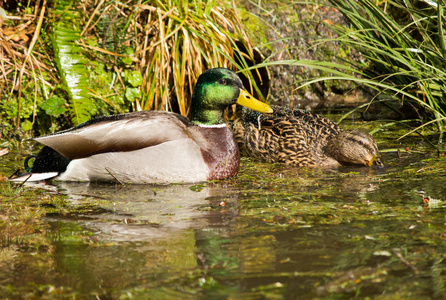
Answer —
322 127
281 139
288 139
124 132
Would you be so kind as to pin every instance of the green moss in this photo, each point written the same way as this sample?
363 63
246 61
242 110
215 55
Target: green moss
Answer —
255 28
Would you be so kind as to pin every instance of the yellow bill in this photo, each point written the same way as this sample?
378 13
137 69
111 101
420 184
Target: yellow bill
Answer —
245 99
375 161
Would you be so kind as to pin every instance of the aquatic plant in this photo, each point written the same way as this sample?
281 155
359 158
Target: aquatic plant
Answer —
403 43
402 47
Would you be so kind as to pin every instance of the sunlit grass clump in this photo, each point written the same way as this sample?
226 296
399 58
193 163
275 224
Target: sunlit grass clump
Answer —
72 61
176 42
403 43
169 43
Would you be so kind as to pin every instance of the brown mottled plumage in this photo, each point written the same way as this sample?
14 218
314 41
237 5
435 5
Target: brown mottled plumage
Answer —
300 138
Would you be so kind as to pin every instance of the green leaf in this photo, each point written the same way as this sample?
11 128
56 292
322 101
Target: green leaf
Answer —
134 78
71 62
127 60
132 93
54 106
27 125
197 187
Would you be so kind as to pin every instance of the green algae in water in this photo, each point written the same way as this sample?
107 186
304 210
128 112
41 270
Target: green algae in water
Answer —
271 232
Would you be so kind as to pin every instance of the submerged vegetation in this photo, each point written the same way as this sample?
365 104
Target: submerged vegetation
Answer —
272 232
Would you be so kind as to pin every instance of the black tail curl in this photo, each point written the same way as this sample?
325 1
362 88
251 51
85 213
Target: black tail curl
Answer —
27 167
48 160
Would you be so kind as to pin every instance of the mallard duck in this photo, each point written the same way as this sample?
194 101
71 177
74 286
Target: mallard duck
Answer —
151 146
300 138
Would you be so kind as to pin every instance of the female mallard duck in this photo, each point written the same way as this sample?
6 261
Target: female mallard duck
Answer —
151 146
300 138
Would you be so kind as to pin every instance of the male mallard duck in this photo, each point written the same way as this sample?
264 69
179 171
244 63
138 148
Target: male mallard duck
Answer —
300 138
151 146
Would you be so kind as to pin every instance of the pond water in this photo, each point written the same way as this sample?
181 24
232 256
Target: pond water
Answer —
273 232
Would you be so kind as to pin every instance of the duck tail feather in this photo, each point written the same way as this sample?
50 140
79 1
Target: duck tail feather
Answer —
30 177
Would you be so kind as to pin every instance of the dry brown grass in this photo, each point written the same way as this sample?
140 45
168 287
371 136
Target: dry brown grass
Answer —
172 42
19 64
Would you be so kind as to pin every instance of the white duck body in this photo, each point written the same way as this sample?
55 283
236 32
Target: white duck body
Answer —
145 147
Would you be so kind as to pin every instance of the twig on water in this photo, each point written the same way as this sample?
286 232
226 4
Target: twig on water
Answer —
404 261
21 185
109 172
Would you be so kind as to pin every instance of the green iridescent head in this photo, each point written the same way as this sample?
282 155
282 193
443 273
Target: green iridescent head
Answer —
217 89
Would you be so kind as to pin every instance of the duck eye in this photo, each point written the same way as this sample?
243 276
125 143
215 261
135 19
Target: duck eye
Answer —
361 143
222 81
